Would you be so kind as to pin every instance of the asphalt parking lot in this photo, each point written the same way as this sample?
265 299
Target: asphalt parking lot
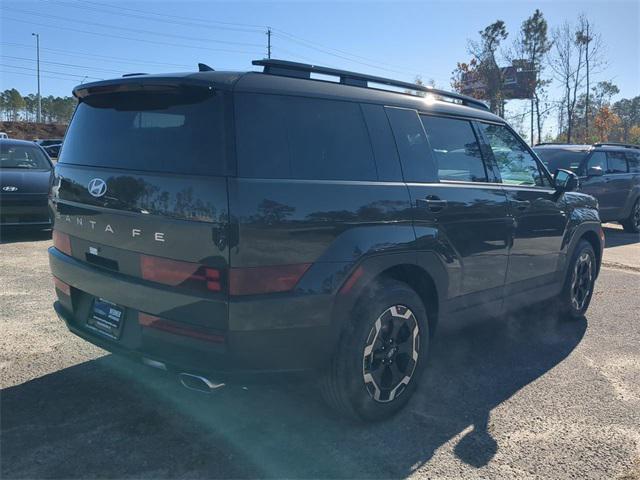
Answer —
529 396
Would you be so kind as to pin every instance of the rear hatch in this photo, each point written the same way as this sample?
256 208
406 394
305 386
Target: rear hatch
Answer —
141 191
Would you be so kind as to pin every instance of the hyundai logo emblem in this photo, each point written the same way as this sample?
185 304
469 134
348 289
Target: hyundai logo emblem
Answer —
9 188
97 187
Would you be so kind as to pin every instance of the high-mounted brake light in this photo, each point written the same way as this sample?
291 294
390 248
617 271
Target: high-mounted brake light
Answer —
184 274
62 242
257 280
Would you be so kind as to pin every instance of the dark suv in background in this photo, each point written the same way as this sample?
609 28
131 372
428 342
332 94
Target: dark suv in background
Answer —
218 223
608 171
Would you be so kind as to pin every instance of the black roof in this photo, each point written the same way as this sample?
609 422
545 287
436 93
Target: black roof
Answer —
278 83
584 147
15 141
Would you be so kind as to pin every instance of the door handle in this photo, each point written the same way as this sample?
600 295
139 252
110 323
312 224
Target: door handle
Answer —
432 202
521 204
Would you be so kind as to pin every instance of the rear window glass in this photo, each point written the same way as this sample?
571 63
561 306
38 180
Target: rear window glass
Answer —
617 162
634 162
158 132
25 157
455 148
302 138
555 158
408 131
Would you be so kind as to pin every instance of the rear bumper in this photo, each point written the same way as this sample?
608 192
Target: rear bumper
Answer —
253 340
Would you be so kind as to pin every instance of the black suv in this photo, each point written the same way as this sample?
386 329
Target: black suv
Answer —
608 171
219 223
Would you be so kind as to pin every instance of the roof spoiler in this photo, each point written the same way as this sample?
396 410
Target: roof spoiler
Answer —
137 83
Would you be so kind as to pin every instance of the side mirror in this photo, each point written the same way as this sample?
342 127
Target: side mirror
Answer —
565 180
595 171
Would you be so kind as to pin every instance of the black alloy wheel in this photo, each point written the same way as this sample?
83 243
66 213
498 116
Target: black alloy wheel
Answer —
381 354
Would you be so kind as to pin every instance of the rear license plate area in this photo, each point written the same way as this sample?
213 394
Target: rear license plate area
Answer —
106 318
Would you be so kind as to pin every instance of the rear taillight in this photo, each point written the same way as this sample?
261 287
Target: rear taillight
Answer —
257 280
62 242
184 274
352 280
147 320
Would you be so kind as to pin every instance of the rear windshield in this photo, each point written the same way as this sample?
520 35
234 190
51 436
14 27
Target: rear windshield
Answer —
180 133
23 157
555 158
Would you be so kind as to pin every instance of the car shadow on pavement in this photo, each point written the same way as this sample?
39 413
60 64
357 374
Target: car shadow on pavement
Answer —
21 234
616 237
111 418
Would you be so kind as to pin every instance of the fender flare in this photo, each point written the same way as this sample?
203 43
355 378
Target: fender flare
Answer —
631 201
370 267
577 234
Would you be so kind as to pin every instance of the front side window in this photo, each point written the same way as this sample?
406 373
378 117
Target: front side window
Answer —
617 162
567 159
25 157
455 148
517 166
598 160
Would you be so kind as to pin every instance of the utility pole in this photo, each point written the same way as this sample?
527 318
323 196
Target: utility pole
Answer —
532 121
268 42
586 105
583 38
39 114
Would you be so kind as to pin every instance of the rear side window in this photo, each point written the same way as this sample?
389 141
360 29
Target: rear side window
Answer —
455 149
634 162
411 141
182 133
383 143
617 162
302 138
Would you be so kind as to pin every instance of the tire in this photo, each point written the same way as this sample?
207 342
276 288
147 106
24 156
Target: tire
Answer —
381 354
578 286
631 224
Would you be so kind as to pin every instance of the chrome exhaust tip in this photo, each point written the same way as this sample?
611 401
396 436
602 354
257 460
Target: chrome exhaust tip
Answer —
154 364
198 383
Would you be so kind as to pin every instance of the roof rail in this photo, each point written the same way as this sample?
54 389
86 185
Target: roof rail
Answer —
303 70
614 144
540 144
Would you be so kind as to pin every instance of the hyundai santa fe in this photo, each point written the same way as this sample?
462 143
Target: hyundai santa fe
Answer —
215 224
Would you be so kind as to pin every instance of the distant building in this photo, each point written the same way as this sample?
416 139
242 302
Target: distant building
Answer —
518 81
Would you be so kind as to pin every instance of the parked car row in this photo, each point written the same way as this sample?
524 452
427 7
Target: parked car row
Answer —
609 172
